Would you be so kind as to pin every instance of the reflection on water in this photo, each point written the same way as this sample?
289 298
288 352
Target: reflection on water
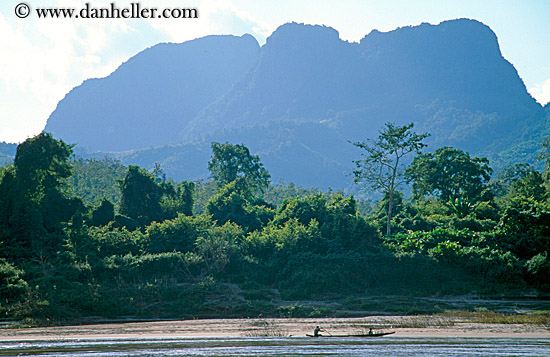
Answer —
294 346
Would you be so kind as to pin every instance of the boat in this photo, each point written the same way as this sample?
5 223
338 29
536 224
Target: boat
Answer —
374 334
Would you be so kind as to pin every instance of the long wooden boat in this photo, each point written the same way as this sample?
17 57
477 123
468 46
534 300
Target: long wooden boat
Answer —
374 334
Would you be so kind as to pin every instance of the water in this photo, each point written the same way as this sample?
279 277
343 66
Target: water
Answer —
293 346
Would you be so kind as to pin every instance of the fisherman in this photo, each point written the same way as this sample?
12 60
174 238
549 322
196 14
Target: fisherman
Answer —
317 330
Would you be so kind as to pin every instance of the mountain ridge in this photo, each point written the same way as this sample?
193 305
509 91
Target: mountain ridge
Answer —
161 86
449 79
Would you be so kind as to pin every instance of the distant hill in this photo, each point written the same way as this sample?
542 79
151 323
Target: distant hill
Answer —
298 100
7 153
150 98
307 154
450 79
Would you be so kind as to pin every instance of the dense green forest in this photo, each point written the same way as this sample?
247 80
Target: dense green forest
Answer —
86 237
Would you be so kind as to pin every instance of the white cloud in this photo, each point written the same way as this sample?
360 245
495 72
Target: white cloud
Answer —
541 92
215 17
43 59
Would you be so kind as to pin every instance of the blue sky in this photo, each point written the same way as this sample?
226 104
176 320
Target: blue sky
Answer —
41 60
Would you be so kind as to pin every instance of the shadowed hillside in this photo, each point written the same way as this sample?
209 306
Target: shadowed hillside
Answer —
299 99
149 99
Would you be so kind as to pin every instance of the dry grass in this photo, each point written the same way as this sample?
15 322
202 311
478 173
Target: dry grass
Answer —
267 332
262 328
398 322
424 321
490 317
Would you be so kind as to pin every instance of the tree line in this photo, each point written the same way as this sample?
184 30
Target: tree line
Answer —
95 238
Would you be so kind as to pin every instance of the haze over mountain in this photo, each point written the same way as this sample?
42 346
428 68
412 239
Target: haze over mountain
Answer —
149 99
297 100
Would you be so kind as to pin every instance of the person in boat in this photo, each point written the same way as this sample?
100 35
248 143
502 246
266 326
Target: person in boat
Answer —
317 330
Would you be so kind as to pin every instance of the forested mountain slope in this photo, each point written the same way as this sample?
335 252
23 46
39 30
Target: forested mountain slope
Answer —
149 99
299 99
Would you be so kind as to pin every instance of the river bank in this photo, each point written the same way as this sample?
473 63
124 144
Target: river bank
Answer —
404 326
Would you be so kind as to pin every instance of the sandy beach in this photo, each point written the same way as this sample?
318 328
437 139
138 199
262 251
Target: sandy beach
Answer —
279 327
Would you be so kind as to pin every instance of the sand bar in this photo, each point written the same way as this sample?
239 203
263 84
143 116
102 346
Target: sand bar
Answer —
277 327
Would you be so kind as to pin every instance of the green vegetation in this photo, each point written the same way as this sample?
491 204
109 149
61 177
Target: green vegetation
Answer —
231 163
94 238
382 165
93 180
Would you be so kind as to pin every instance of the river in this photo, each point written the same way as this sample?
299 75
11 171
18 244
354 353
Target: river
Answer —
293 346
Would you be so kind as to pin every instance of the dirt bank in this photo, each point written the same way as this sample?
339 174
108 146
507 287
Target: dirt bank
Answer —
403 326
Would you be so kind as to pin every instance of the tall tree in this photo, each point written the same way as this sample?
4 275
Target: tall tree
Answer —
41 164
234 162
452 175
140 196
38 201
382 165
147 197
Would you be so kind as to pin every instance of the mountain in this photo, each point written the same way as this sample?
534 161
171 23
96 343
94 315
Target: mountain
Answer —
149 99
308 154
299 99
7 153
450 78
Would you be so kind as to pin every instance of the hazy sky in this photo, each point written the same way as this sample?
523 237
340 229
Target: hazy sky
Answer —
43 59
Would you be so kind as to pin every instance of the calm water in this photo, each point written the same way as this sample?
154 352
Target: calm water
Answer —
390 346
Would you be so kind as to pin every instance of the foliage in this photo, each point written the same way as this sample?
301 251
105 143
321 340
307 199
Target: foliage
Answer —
204 191
145 198
12 285
231 162
178 234
140 196
461 249
93 180
337 217
217 248
382 165
545 154
312 275
451 175
524 228
276 193
103 214
531 185
41 165
177 199
233 203
505 178
538 270
106 241
35 201
157 256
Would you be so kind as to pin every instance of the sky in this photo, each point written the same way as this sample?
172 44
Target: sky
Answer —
41 60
